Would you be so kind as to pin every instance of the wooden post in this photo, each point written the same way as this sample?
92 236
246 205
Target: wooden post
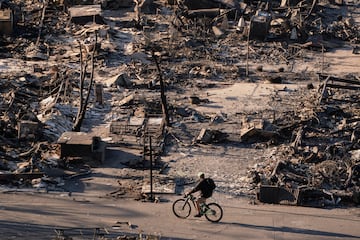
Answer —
323 58
151 170
247 52
99 93
144 147
323 92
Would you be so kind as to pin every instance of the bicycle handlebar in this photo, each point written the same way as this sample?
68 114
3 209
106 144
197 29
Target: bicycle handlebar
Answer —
190 196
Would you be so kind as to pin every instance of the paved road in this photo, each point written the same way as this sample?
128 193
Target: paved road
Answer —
38 215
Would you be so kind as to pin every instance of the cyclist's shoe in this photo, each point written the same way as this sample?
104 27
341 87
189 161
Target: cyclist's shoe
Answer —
198 215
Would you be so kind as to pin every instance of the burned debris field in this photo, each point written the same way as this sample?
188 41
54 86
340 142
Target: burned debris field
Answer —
261 95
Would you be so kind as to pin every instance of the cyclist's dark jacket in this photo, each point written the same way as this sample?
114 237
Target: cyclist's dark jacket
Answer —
203 187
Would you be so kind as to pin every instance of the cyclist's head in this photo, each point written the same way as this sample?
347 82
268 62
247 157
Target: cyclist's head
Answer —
201 175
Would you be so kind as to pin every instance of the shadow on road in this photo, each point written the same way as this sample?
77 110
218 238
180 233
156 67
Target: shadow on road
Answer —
291 230
294 213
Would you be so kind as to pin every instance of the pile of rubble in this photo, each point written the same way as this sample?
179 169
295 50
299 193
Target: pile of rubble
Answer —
74 65
317 160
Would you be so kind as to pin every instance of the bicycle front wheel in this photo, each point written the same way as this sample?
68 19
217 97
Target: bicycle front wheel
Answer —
214 212
181 208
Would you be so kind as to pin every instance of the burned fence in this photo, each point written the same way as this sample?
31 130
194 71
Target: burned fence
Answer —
134 131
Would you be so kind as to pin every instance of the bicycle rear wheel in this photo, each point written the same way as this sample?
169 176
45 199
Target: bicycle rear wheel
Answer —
181 208
214 212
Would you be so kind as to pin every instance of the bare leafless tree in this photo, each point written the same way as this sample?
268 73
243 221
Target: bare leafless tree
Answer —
84 102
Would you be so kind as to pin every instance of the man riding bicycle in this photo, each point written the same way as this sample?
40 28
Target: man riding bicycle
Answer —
205 192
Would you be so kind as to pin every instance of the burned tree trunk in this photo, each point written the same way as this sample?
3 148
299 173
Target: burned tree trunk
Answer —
77 124
162 90
83 103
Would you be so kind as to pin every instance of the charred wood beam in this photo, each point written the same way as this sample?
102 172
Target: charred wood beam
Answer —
221 15
126 100
326 84
355 82
211 13
55 90
293 177
337 79
63 82
324 92
287 131
342 86
34 149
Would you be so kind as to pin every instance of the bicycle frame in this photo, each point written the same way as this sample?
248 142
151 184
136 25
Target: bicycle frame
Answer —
203 206
192 198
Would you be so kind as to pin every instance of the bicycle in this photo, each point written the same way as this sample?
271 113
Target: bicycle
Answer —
182 209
